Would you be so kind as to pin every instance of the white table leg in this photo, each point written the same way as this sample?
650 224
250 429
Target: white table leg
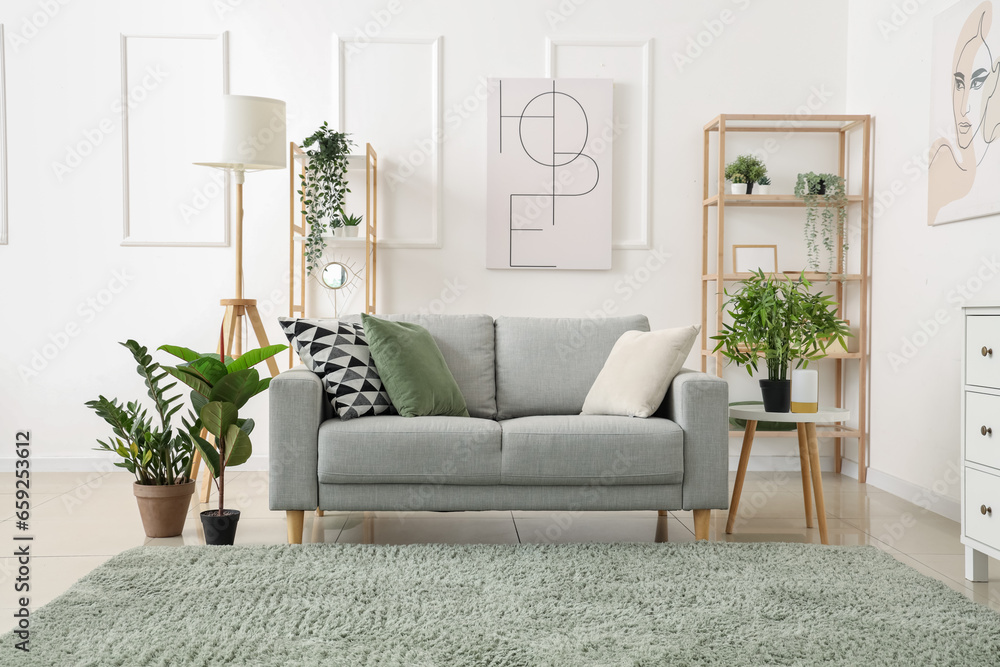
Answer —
977 565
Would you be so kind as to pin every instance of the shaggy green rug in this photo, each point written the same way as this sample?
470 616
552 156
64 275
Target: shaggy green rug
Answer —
580 604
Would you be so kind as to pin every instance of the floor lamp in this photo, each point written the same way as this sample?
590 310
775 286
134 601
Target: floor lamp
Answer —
251 138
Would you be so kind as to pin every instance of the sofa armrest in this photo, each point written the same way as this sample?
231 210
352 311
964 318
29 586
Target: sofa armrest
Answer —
699 404
295 410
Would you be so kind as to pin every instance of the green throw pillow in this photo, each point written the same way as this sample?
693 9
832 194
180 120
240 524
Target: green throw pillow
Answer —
412 369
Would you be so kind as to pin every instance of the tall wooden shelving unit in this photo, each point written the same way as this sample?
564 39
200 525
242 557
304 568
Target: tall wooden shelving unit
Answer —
298 229
837 127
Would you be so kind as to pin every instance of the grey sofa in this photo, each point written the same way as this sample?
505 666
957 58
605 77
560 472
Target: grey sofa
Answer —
525 445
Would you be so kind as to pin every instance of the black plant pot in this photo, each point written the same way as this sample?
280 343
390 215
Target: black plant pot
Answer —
819 189
221 530
776 394
749 187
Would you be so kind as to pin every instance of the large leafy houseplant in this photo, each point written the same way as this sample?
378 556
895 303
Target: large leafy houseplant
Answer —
159 458
324 187
220 386
829 193
150 451
779 320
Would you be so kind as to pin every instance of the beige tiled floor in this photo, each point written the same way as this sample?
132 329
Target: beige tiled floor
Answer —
79 520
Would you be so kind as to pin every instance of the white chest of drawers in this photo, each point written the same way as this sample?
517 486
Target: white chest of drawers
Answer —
981 440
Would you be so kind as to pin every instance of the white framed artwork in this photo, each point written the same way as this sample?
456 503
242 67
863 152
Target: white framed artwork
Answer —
170 85
963 167
549 173
753 258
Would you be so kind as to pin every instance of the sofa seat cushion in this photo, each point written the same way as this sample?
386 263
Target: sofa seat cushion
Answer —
389 449
591 449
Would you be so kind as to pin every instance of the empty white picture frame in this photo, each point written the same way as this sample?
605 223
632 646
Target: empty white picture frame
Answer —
170 85
753 258
3 139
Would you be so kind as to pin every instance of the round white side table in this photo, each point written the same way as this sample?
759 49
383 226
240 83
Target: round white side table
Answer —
808 455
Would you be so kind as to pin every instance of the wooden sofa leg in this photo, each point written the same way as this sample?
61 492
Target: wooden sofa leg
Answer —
319 512
702 519
295 520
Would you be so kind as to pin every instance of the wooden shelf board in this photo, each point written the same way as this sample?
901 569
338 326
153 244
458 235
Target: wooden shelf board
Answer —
811 276
829 355
787 123
779 201
334 241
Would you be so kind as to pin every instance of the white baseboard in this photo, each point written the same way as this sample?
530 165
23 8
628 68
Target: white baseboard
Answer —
100 464
925 498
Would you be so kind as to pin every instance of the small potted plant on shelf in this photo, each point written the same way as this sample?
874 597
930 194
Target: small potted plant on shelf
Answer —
324 187
220 386
827 192
764 185
352 223
781 321
751 168
739 184
159 458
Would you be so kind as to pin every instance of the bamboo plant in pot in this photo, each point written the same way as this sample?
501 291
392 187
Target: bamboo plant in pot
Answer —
220 386
781 321
159 458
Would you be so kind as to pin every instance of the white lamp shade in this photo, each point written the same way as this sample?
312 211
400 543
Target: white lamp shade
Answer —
249 134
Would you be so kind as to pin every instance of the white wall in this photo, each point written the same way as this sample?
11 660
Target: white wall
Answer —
922 275
756 57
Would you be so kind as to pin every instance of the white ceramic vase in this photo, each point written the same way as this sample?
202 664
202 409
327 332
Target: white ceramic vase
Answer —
805 390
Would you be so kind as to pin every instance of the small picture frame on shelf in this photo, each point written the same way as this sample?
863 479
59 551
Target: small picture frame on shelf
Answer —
752 258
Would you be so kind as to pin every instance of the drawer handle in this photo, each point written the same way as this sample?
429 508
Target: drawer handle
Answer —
986 510
987 351
986 431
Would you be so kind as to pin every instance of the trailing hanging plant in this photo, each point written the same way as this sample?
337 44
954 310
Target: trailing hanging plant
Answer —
324 187
780 320
826 191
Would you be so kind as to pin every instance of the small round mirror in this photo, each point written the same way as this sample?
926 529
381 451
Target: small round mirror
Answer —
334 275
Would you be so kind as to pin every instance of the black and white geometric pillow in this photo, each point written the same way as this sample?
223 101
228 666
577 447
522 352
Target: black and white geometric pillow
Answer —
338 353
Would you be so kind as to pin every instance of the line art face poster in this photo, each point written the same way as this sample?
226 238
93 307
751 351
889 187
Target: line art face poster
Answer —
964 168
549 173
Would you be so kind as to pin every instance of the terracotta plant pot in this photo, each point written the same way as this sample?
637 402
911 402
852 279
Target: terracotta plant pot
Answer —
163 508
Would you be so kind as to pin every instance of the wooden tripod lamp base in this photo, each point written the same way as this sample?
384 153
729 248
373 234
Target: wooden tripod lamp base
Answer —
232 330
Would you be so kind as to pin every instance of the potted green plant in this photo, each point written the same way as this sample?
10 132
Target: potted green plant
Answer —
739 184
751 168
324 187
159 458
778 319
764 185
220 386
826 192
352 223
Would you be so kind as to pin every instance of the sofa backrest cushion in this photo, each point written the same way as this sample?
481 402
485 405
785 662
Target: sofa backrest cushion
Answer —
546 366
466 343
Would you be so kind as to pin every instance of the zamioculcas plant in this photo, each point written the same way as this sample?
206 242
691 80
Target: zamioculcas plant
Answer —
151 452
220 386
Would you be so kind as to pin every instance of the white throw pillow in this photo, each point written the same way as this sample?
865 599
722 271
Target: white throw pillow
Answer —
638 372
